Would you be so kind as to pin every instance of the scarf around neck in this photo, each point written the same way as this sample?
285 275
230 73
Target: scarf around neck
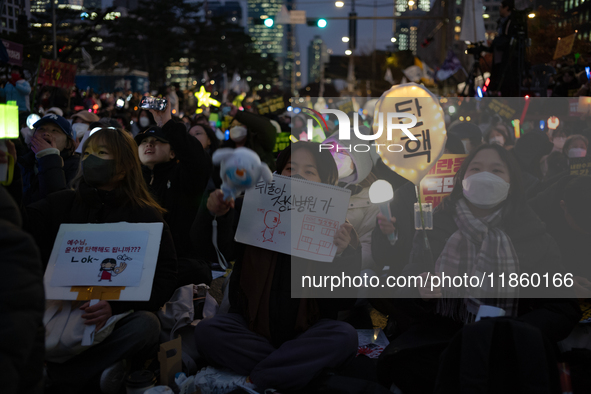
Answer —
478 248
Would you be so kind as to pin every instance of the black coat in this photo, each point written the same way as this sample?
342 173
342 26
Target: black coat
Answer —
536 251
89 205
283 309
52 173
178 185
22 346
574 246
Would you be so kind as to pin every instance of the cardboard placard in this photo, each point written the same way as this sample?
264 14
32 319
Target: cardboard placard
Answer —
564 46
293 216
439 181
14 51
58 74
502 109
271 106
82 258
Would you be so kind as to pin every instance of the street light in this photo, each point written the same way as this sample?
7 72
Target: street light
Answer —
345 39
348 52
393 39
531 16
339 4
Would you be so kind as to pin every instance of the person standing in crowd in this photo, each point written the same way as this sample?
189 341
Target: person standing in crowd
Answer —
17 89
503 77
575 146
355 173
254 132
23 302
52 162
108 189
498 134
558 138
566 210
176 169
567 85
484 225
469 133
145 120
205 135
81 121
268 336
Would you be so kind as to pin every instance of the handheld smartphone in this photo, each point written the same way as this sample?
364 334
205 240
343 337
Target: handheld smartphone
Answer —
150 102
588 72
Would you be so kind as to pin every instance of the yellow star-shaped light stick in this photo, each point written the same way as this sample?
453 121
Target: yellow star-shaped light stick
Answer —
204 99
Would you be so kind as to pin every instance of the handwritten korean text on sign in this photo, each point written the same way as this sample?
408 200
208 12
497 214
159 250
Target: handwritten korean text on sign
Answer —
439 181
100 259
293 217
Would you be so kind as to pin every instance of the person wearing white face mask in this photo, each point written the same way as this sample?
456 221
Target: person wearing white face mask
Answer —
484 225
575 146
499 135
252 131
81 121
145 120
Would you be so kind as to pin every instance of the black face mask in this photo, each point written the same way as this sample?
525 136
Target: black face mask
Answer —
98 171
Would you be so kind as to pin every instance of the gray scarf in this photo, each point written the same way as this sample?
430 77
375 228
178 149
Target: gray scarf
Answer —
478 248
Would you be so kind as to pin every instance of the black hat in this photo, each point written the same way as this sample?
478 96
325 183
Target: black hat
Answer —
155 131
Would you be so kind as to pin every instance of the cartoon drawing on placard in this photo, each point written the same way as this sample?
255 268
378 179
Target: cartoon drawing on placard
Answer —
109 269
272 220
317 235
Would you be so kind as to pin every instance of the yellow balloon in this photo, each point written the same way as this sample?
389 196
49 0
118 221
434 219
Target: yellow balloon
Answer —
409 158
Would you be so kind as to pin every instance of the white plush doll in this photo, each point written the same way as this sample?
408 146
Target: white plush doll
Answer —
241 169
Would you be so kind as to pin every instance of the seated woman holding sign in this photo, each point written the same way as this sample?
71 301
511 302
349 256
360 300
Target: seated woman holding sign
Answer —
108 189
274 340
483 229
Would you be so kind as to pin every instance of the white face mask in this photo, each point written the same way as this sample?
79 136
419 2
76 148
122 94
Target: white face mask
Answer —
144 121
344 164
577 152
485 190
559 142
238 133
79 129
500 140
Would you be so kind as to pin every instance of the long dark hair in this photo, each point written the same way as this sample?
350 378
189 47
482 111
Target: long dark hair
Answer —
516 199
213 139
325 164
125 153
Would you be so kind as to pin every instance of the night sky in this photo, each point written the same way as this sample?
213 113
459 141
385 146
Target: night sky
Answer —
336 29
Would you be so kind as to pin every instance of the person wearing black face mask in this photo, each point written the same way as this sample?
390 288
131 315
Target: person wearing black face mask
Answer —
97 171
109 188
